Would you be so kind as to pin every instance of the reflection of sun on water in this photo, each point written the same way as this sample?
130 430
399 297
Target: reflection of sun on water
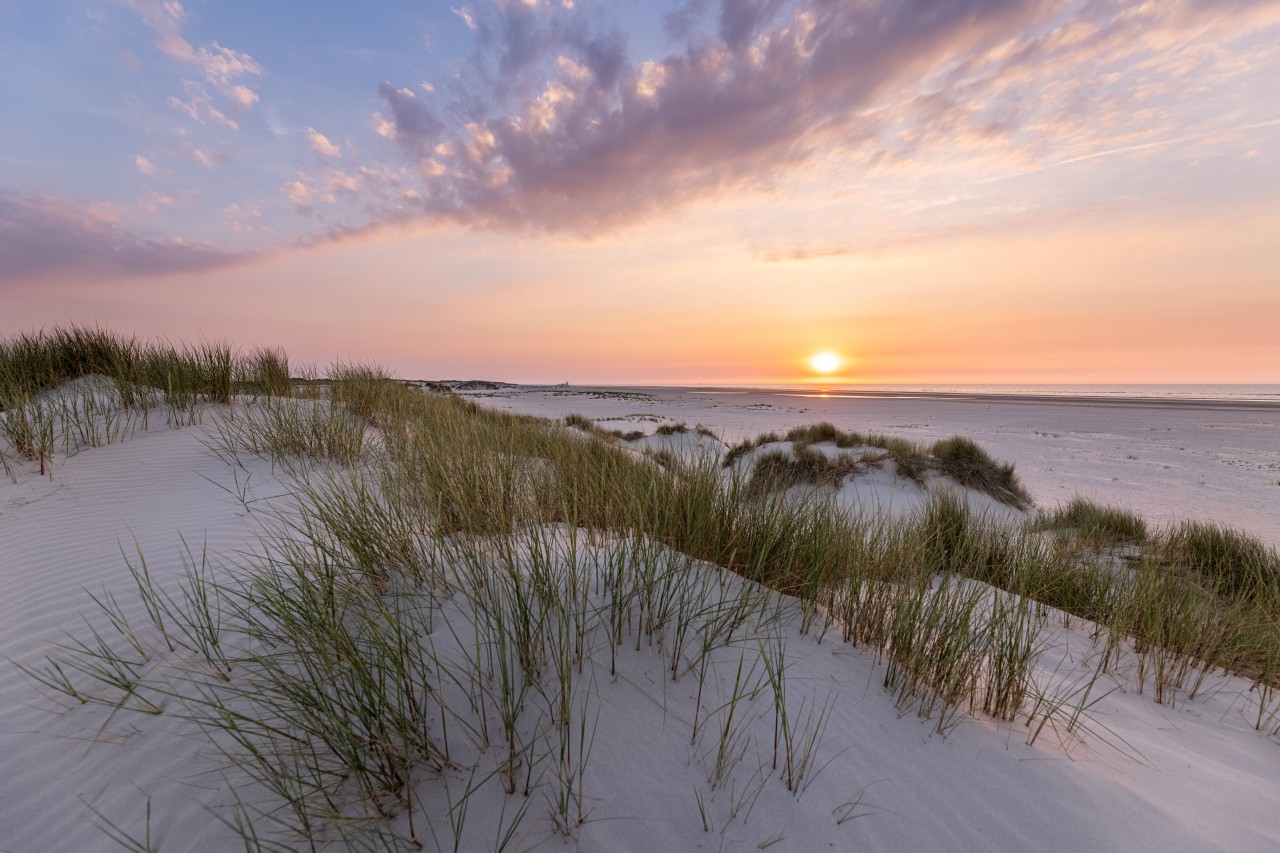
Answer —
825 362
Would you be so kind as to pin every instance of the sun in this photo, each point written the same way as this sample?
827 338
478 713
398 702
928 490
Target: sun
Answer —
826 362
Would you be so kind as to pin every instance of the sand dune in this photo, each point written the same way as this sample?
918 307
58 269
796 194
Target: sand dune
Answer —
1135 775
1167 459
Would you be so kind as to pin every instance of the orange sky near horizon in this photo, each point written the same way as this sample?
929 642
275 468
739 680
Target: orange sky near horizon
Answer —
977 192
1104 299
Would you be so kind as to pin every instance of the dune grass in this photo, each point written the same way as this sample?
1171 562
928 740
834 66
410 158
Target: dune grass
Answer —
121 380
210 370
958 458
964 461
1221 557
449 585
776 470
1087 519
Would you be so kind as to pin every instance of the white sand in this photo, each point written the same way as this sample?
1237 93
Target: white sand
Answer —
1167 462
1196 777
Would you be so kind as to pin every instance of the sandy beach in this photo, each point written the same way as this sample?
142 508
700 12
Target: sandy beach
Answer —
1166 459
137 713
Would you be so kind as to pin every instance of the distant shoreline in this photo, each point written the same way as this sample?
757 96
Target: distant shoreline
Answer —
989 397
1181 403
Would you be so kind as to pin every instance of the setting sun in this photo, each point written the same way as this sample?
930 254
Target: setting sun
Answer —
825 362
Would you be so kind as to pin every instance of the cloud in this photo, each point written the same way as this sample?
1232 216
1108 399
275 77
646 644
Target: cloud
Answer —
466 16
42 237
221 66
154 201
143 165
321 144
342 182
165 17
199 106
553 127
246 220
588 152
740 21
413 124
300 196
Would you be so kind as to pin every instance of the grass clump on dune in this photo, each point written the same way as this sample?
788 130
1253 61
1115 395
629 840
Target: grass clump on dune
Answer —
666 430
1094 521
119 381
958 458
777 470
825 432
972 467
213 371
744 447
1221 557
590 427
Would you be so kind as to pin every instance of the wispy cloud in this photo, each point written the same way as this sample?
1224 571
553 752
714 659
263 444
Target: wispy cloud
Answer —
1200 136
413 124
199 106
220 66
42 236
560 120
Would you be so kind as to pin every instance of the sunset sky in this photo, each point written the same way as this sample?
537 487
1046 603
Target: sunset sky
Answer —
952 191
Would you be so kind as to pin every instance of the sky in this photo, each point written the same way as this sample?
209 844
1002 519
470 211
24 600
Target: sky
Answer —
689 192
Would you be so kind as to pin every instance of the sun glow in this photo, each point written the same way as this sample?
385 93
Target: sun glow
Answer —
825 362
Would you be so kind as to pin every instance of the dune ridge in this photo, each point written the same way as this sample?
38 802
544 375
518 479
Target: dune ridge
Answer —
685 670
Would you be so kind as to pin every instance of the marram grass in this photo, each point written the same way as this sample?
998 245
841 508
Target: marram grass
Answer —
547 561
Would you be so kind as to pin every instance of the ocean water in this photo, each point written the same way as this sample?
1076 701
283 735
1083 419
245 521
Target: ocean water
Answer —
1235 393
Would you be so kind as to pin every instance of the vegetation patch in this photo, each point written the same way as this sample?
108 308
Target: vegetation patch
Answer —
1222 557
825 432
777 470
958 458
744 447
964 461
1093 521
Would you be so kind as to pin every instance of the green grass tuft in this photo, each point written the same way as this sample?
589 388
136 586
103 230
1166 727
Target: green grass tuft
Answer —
972 467
1223 557
1094 521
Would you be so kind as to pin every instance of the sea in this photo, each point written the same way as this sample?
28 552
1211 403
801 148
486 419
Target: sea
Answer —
1268 393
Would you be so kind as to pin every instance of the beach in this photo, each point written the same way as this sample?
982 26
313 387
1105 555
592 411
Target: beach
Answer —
668 702
1167 459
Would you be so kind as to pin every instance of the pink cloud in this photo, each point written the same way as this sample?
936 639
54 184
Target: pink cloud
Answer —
42 236
321 144
586 140
730 111
221 67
